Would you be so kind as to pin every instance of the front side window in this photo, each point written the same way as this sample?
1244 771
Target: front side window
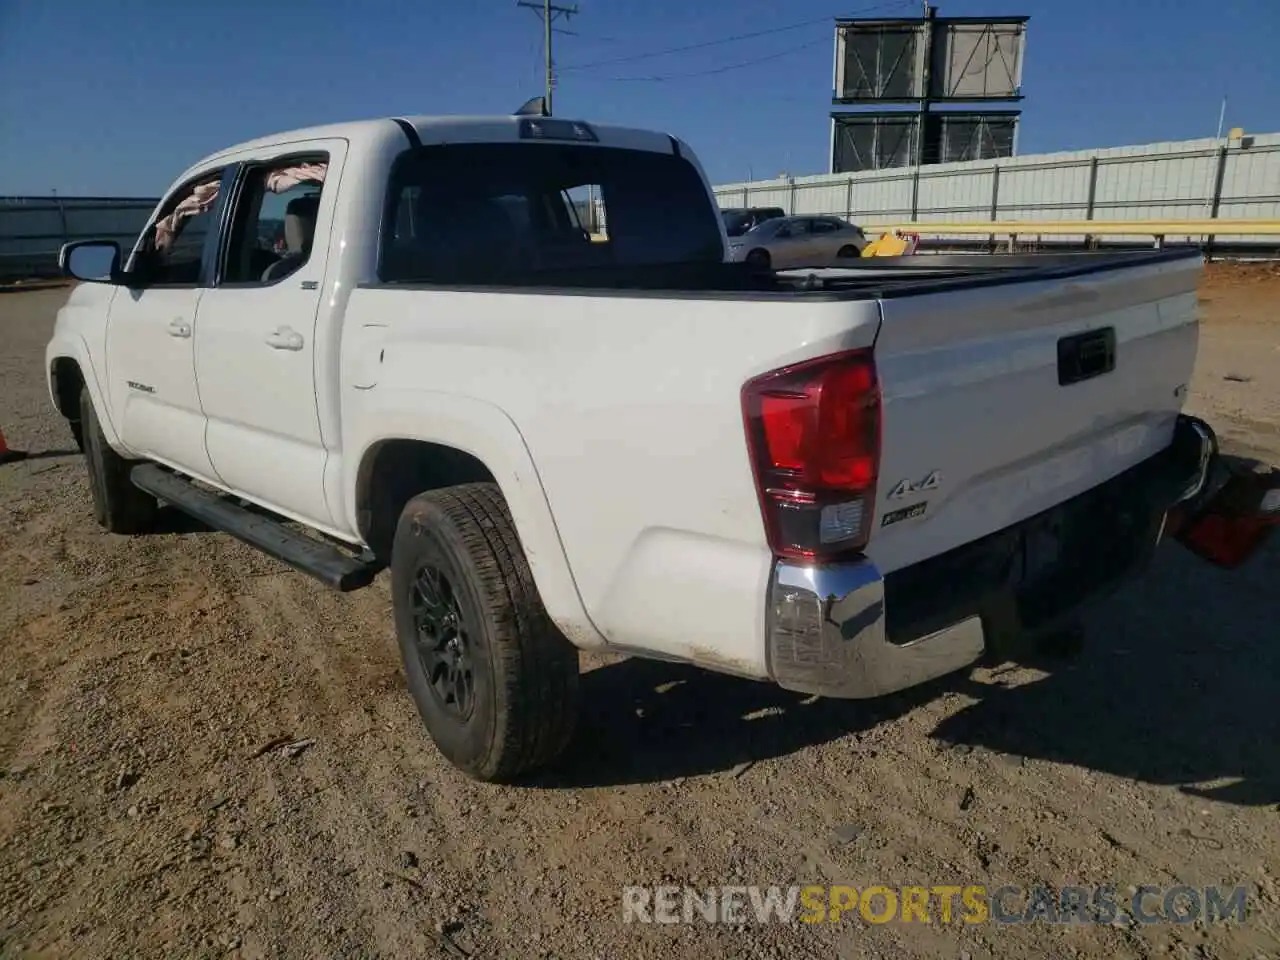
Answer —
172 248
528 213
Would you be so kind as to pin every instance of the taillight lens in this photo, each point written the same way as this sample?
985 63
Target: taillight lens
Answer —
813 431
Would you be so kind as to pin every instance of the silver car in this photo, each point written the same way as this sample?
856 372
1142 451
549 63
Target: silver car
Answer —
800 241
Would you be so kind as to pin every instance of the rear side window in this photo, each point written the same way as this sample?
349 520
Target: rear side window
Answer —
274 222
526 213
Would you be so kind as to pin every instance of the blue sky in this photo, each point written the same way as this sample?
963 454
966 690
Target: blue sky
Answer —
117 98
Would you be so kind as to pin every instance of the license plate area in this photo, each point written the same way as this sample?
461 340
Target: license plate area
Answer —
1028 575
1070 552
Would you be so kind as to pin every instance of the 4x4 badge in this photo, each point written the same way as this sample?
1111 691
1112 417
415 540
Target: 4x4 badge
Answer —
905 487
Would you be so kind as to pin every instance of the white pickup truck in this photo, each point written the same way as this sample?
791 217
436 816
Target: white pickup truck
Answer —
393 344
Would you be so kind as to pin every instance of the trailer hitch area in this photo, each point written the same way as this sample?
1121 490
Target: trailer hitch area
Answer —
1235 515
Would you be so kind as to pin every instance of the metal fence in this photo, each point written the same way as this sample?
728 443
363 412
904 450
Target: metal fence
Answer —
1211 178
32 229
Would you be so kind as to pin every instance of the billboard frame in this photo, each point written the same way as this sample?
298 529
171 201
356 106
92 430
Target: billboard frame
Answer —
870 117
929 28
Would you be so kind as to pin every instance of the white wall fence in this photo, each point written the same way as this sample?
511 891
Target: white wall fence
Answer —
1189 179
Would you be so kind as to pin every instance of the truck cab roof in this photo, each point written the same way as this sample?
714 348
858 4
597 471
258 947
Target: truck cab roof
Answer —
457 129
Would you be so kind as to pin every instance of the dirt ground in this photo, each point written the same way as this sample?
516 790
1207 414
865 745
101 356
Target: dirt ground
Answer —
149 808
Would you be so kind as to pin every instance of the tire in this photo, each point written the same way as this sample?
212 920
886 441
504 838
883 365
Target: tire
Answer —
848 252
466 607
759 260
118 505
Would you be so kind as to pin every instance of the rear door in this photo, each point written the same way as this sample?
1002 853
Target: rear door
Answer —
791 245
827 239
1002 401
256 350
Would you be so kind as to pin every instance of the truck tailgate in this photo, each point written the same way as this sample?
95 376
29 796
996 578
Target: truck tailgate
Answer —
1001 400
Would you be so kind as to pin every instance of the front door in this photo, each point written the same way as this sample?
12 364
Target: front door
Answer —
256 350
151 330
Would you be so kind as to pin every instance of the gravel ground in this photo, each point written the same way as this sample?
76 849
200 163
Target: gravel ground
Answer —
203 754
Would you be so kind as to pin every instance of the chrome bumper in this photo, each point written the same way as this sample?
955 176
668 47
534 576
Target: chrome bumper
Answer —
827 635
826 624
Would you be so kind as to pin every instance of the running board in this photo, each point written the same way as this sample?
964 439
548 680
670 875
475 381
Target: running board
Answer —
321 560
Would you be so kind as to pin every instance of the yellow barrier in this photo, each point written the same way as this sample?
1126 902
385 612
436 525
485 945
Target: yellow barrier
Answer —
1149 228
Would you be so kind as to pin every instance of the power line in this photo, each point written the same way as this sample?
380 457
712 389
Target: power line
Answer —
695 46
714 43
725 69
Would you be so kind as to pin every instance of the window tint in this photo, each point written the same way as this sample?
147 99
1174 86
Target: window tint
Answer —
274 222
737 223
825 226
172 249
517 213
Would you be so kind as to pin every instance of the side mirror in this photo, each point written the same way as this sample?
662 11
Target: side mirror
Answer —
93 261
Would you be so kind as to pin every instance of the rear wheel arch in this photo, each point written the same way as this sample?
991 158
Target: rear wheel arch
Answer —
393 472
470 442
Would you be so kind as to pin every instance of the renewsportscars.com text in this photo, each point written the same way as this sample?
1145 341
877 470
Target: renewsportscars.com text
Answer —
972 904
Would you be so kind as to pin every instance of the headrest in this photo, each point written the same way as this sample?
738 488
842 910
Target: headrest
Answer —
300 223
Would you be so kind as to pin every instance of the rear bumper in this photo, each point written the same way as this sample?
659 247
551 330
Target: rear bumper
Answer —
829 629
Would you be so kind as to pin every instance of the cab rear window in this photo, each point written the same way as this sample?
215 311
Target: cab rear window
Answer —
518 213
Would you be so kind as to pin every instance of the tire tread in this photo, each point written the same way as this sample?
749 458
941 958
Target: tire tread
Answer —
537 668
118 505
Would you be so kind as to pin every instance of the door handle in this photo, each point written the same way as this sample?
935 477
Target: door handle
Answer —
179 328
284 338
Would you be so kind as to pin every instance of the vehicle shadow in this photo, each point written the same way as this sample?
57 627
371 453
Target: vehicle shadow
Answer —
1179 685
51 454
171 520
645 721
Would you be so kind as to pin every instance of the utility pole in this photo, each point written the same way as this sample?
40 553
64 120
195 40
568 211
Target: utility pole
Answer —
549 12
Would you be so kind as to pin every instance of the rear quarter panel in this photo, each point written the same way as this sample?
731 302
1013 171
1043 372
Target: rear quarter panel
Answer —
630 411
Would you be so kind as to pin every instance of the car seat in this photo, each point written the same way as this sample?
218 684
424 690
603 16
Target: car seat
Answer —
299 232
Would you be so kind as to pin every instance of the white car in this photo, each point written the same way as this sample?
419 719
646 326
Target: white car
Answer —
397 334
802 241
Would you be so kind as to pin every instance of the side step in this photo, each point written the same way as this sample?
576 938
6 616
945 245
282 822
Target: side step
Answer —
321 560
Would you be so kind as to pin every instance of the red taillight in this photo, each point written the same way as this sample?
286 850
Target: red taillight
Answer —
813 431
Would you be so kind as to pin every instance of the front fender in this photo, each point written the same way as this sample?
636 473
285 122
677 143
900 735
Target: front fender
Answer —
485 432
69 345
